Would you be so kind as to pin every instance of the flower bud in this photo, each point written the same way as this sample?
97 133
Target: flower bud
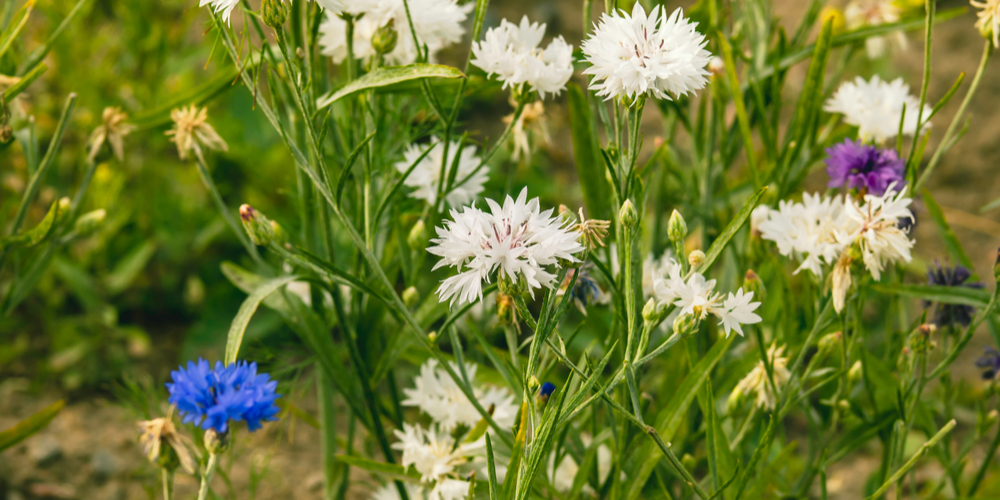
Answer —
533 383
854 374
753 283
280 235
839 21
512 286
651 311
217 443
985 421
544 393
829 341
628 215
716 65
432 337
505 308
677 228
844 405
417 238
258 227
685 324
273 12
696 259
385 38
6 133
410 296
688 461
89 222
63 207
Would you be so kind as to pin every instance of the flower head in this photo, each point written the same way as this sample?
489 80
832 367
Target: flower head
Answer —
517 240
990 360
438 23
425 177
191 131
654 55
164 446
432 453
390 492
697 297
951 314
989 19
875 227
870 13
212 398
756 382
224 7
112 130
876 107
512 53
866 167
806 231
437 395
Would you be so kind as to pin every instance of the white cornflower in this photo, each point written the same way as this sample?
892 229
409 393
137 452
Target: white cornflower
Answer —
646 55
867 13
192 131
806 230
349 7
390 492
426 175
511 52
518 239
757 382
989 19
878 231
532 119
224 7
438 23
876 107
437 395
434 455
697 296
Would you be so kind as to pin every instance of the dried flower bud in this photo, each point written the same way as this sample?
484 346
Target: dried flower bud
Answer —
410 296
677 228
6 133
418 235
505 308
696 259
753 283
165 447
628 215
258 227
89 222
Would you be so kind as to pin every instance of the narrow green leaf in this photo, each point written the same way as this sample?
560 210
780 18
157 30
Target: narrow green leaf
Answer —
25 428
975 297
37 234
383 77
14 90
720 243
721 461
390 471
346 170
242 319
741 110
15 26
951 242
763 447
491 469
129 267
587 156
990 206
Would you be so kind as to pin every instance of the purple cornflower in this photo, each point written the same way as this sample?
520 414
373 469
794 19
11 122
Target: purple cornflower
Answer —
211 398
862 166
990 360
951 314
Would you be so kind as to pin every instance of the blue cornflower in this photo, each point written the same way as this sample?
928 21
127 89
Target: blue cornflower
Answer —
862 166
586 290
211 398
544 392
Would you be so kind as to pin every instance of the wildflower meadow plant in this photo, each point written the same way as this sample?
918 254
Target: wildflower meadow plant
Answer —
422 248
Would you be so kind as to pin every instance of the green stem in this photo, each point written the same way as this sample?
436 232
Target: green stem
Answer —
913 460
206 477
167 476
981 473
206 178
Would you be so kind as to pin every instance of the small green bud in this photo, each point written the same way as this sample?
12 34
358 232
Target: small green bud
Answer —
828 342
432 337
696 259
753 283
89 222
410 296
688 461
844 405
628 215
651 311
385 38
217 443
62 209
735 401
417 238
685 324
677 228
258 227
533 383
513 287
274 13
854 374
986 421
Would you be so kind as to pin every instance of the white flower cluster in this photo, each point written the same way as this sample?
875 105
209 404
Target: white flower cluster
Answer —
512 53
867 13
633 55
518 239
434 455
988 19
697 296
823 230
437 395
756 382
438 23
876 107
425 177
